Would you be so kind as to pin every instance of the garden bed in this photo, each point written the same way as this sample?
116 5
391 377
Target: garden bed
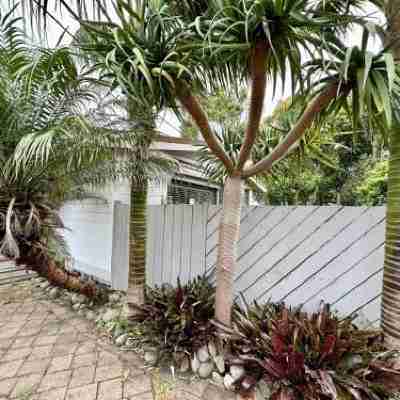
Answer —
278 352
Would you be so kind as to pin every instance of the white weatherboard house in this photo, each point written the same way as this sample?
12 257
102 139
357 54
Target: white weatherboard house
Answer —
91 223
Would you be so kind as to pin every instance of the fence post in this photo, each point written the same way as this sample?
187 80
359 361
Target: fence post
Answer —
120 247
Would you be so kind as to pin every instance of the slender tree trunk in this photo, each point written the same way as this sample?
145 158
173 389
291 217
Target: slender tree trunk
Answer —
227 248
390 318
137 244
391 276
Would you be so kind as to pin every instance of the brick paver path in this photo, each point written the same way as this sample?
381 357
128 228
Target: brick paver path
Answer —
48 353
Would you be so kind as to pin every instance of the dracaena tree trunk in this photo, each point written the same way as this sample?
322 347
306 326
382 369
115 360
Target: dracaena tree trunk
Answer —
227 248
137 245
390 318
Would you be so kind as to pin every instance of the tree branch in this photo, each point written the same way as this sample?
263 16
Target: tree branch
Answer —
192 105
258 87
305 121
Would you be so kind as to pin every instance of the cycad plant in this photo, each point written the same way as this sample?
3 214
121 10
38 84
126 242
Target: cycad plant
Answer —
237 43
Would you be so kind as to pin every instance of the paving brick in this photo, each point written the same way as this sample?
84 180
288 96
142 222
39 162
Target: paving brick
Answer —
144 396
8 370
84 359
40 352
16 354
82 376
110 390
5 343
38 366
6 386
106 358
107 372
35 323
60 363
26 384
7 333
88 392
137 385
14 325
64 349
54 381
29 332
45 340
56 394
67 338
23 342
86 347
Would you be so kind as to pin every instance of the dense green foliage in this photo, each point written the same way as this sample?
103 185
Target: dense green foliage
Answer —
333 164
330 170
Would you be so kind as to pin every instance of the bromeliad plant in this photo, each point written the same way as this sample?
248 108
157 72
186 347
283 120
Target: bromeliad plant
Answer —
178 320
305 356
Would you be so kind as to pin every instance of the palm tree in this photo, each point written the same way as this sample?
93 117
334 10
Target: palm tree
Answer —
49 149
94 45
234 43
391 279
35 97
105 154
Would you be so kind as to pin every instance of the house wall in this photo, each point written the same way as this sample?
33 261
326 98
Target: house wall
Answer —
89 236
90 225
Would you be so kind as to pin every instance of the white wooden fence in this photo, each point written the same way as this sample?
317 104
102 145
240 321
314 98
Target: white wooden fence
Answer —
300 255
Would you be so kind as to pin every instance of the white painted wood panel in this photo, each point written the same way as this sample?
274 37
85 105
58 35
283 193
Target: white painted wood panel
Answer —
296 254
89 236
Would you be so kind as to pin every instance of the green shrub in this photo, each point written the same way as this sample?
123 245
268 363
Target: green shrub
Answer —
372 190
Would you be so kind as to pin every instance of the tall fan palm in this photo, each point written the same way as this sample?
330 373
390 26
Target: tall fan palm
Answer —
233 43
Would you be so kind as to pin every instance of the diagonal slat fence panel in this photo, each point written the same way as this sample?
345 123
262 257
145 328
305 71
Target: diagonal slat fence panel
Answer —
299 255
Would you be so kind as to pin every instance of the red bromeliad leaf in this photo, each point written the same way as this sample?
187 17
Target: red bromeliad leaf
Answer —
179 296
274 369
296 367
328 347
283 324
278 344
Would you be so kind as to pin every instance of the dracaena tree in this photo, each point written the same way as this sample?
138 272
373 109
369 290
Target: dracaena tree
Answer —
244 43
